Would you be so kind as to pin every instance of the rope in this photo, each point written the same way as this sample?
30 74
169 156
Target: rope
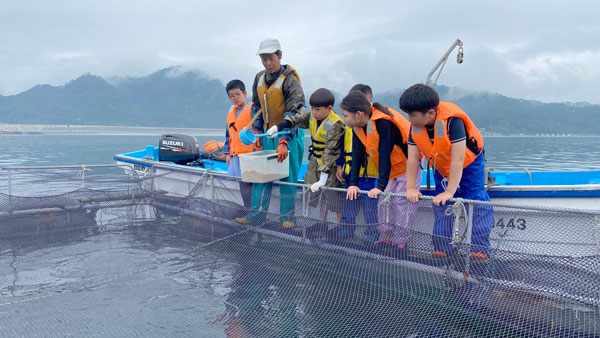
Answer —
528 173
82 175
458 210
385 201
201 182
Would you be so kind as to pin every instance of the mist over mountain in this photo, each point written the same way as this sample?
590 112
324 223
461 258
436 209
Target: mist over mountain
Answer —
499 114
176 97
169 97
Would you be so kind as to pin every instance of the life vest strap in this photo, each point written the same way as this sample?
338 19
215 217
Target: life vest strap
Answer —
316 141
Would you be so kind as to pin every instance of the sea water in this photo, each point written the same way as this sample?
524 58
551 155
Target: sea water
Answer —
172 277
501 152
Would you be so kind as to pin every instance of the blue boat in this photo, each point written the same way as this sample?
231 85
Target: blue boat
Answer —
568 189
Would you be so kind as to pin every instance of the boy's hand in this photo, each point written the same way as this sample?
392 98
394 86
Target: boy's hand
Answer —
227 158
258 145
339 173
413 195
442 198
316 186
282 151
320 183
272 132
352 193
374 193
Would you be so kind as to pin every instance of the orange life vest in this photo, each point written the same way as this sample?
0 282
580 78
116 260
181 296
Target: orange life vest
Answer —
372 170
235 125
371 140
214 149
439 153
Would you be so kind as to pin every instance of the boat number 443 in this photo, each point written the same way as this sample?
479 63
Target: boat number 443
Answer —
510 223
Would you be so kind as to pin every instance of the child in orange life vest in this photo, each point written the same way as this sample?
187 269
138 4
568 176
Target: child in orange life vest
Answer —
384 135
454 147
367 180
326 131
237 118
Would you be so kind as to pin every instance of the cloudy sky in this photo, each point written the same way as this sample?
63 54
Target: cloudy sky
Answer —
544 50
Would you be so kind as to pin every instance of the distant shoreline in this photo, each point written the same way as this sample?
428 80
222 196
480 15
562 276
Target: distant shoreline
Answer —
28 129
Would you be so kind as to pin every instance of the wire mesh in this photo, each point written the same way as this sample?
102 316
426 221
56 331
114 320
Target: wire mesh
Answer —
160 253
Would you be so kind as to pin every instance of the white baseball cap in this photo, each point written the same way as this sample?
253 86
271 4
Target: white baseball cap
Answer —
268 46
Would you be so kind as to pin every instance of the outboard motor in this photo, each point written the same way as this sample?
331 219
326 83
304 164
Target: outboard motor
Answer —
178 148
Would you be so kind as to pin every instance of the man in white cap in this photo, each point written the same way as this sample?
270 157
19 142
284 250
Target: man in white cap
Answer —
278 92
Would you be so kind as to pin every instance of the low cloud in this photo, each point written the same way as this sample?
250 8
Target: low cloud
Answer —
543 50
584 65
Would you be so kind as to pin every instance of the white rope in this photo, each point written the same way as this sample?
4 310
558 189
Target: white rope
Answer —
82 175
528 173
201 182
458 210
386 201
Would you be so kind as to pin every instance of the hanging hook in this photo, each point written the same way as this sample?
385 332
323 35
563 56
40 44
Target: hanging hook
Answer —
459 56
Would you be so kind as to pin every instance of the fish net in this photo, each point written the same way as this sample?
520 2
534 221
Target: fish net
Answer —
113 251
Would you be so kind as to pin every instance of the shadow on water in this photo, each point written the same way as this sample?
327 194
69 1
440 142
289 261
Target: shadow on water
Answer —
47 228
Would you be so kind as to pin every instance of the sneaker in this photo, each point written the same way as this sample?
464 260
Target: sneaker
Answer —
439 254
242 220
479 256
287 224
383 241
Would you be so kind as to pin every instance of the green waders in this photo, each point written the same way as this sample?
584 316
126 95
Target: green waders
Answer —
261 192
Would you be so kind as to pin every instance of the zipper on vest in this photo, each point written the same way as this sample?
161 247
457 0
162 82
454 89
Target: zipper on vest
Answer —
365 163
428 178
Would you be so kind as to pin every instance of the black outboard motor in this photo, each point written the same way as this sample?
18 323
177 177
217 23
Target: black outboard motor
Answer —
178 148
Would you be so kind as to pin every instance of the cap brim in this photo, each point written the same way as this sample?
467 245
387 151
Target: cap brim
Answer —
266 51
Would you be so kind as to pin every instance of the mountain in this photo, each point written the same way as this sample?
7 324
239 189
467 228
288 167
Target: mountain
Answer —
169 97
86 100
495 113
175 97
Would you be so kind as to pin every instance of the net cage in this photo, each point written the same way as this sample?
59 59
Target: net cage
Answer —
118 250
